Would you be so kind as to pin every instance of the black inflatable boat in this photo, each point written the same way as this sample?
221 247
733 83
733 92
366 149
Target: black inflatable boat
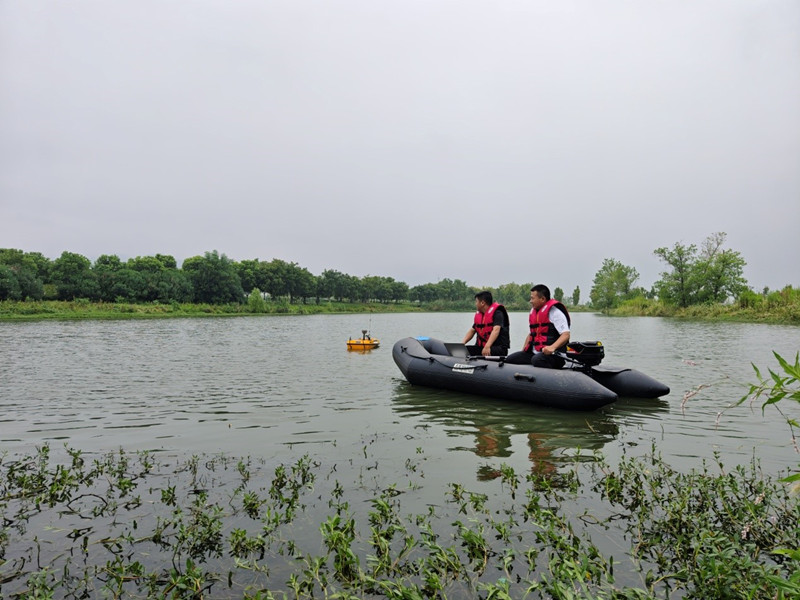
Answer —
582 385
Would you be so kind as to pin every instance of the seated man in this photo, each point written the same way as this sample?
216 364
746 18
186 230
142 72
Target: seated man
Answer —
491 324
549 324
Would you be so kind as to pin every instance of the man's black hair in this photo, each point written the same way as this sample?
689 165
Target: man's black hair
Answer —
486 296
542 290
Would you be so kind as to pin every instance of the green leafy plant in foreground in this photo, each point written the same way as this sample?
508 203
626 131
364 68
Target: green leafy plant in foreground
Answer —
775 389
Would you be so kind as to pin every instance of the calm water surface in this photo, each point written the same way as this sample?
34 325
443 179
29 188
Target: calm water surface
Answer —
280 386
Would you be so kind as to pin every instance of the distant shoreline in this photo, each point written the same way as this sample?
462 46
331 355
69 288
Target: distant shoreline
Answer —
11 311
783 313
16 311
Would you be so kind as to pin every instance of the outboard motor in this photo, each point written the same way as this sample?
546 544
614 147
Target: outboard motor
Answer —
588 354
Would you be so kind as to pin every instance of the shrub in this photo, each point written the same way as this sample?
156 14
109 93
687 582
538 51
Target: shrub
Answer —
749 299
256 302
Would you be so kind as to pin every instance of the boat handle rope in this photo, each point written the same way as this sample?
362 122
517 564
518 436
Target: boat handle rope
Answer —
431 359
500 360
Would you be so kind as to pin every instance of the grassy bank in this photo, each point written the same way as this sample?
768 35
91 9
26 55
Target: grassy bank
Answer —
52 309
780 309
752 311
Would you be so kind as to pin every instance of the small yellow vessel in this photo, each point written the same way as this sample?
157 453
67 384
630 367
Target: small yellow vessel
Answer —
365 342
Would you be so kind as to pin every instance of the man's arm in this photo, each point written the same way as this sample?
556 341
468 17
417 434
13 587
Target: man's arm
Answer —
468 336
559 344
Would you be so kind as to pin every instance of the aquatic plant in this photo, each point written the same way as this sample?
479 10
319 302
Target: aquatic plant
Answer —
149 526
777 388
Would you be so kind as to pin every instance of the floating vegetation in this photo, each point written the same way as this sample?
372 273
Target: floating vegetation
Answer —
142 525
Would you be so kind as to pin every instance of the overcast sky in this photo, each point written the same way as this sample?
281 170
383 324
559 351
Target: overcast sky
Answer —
519 140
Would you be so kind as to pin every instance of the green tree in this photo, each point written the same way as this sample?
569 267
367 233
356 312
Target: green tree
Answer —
151 269
446 290
454 290
370 288
73 276
513 294
36 262
9 285
426 292
146 264
106 268
712 274
213 278
612 284
576 296
41 264
352 288
141 279
30 286
382 289
719 271
677 286
399 291
167 260
11 257
333 284
273 277
281 278
173 285
248 274
329 283
107 262
302 283
26 270
558 294
127 285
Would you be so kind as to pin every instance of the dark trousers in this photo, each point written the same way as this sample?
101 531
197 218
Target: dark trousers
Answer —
537 360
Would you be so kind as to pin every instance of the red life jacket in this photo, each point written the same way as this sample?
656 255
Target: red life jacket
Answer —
483 324
543 332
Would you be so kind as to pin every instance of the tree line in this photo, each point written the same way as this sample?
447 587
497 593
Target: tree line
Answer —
706 274
709 274
212 278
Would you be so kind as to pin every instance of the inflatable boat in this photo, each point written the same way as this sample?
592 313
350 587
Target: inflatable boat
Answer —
582 385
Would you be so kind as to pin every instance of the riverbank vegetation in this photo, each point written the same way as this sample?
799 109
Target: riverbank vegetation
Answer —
699 283
11 310
703 283
772 307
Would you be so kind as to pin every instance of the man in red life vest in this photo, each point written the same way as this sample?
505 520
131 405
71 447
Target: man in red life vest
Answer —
490 325
549 324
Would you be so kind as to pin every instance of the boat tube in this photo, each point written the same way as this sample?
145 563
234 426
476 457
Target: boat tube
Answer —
582 386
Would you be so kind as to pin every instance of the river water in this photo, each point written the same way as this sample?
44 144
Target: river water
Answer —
275 387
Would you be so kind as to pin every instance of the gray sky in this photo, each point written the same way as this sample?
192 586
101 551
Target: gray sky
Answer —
520 140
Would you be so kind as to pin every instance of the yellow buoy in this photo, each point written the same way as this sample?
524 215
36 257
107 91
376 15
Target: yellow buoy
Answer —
365 342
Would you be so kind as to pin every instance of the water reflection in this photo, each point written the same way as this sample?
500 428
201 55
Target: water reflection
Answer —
497 428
